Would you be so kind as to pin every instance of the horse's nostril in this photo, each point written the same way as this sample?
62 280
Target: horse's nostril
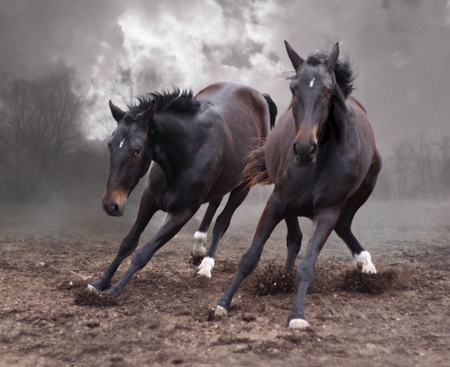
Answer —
313 150
295 149
113 208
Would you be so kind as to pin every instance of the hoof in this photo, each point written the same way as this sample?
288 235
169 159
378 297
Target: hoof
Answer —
196 260
204 273
369 269
205 267
299 324
91 288
220 313
114 292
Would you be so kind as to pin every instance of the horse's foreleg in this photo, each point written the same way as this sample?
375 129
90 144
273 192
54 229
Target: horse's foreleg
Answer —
323 224
343 226
293 241
174 222
271 216
199 250
146 210
236 198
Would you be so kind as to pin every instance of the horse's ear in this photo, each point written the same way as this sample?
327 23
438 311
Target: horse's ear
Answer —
116 112
294 56
148 114
333 56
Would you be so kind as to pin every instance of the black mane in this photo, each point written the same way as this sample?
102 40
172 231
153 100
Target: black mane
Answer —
176 100
343 70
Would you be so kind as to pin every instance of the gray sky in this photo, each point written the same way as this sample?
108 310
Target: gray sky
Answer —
400 47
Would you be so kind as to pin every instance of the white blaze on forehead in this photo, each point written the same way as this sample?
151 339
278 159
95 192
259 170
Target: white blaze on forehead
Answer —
121 143
311 82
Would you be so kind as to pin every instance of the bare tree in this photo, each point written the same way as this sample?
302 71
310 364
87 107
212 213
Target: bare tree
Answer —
40 125
401 166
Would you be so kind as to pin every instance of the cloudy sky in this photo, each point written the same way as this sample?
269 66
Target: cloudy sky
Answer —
401 49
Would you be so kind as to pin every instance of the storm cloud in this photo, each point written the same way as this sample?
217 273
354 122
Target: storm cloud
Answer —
400 49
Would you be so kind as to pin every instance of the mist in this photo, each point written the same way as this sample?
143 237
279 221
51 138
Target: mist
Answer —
106 50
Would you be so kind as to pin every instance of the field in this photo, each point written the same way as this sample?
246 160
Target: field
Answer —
163 318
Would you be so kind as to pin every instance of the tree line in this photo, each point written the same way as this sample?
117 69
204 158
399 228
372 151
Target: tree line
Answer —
46 151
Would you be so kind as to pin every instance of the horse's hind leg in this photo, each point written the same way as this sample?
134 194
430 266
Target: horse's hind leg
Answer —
343 226
236 198
199 250
293 241
146 210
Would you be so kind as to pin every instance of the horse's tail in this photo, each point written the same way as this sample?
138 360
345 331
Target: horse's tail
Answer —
255 172
273 110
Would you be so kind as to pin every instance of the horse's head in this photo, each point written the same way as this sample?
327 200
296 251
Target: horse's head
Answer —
312 88
130 156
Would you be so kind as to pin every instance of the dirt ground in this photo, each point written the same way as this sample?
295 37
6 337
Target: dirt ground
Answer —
398 318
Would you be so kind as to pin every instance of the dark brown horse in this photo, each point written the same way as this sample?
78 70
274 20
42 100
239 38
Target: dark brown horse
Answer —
322 158
198 148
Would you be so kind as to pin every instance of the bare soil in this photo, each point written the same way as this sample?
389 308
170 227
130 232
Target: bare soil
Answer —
400 317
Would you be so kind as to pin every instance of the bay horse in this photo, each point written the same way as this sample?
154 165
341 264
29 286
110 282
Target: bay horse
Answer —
323 162
198 146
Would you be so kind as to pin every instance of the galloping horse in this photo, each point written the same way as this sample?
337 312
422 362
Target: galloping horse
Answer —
198 146
322 158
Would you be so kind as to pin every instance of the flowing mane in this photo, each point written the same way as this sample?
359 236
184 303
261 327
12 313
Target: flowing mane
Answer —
343 70
176 100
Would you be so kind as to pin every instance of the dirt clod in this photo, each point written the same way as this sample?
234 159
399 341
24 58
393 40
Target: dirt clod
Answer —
273 279
85 297
357 281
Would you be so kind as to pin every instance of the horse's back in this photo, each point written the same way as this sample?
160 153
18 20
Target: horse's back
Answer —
238 117
243 108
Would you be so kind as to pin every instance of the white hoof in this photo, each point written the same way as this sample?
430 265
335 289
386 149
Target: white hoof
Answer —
205 267
220 312
199 249
91 288
299 324
364 262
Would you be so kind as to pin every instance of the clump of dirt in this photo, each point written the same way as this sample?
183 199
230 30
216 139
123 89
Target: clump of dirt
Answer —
273 279
85 297
327 279
357 281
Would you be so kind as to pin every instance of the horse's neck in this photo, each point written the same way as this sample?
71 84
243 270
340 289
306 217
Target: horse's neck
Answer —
171 145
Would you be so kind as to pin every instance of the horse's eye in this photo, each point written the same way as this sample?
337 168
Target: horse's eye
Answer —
292 90
328 94
136 152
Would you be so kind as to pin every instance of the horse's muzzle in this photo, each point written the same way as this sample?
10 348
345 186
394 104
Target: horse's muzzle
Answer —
115 203
112 208
305 154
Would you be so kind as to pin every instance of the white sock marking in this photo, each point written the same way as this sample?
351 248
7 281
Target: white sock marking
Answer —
311 82
121 143
200 242
205 267
364 262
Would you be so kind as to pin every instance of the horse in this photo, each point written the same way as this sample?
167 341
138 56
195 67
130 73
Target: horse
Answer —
322 159
198 146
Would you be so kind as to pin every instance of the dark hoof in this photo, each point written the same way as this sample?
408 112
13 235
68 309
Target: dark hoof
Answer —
197 260
114 291
99 285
